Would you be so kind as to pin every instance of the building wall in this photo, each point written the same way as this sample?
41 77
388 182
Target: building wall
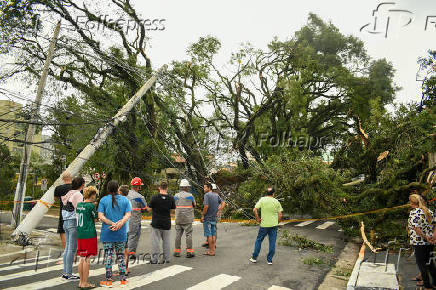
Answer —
11 110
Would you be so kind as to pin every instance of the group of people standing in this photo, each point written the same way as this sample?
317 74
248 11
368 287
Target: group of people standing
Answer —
120 212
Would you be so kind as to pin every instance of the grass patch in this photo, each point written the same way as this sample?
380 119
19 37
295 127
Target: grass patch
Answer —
313 261
343 272
302 242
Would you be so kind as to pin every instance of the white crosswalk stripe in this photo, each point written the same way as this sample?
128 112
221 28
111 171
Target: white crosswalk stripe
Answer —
140 281
58 280
20 260
52 230
325 225
41 261
30 273
215 283
304 223
15 253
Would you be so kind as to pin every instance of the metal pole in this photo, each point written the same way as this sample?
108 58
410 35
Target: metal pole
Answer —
27 149
47 200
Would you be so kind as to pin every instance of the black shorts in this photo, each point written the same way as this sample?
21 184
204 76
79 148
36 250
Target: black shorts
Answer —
61 226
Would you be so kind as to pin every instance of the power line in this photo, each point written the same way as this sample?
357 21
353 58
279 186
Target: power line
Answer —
52 124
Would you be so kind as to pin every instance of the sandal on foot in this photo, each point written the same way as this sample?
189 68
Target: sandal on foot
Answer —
90 286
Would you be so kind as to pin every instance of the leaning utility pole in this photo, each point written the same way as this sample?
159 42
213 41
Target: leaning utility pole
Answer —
27 148
47 200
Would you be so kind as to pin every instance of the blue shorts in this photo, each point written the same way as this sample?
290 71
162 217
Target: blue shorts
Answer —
209 228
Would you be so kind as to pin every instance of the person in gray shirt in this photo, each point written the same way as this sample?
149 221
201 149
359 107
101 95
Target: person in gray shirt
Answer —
212 204
185 204
139 205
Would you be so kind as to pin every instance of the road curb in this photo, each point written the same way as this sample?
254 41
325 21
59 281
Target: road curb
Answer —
345 262
368 275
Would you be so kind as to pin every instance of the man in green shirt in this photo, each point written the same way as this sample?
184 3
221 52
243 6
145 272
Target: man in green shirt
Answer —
271 212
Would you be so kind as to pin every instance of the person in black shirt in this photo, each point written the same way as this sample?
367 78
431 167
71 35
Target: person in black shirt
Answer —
161 204
60 191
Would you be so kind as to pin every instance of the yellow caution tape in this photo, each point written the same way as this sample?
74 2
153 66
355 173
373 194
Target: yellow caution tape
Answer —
48 205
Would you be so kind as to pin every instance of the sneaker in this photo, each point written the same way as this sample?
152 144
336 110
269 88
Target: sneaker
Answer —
106 283
70 277
190 255
253 260
269 263
176 254
124 283
205 245
164 262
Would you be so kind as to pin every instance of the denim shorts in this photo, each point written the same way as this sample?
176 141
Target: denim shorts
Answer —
209 228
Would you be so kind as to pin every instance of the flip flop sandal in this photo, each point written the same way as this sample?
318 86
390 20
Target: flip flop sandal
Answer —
208 254
91 286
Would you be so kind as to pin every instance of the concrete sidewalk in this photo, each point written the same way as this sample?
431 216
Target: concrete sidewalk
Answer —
373 272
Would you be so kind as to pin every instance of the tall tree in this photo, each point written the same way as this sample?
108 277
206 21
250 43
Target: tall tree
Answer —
103 58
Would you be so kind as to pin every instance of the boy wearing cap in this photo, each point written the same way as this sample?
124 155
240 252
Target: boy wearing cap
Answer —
185 204
139 205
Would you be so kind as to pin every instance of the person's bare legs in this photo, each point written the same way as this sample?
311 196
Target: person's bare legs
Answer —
212 241
84 265
82 278
126 257
85 270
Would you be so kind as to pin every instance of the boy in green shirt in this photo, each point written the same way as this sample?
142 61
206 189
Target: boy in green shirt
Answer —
86 234
271 211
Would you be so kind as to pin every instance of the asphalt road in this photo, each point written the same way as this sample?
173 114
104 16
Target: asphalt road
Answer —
229 269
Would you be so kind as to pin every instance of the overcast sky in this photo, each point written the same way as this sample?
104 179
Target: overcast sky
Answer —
258 22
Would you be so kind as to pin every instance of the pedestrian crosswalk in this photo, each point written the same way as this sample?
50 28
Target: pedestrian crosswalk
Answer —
140 281
217 282
325 225
304 223
214 282
41 261
319 225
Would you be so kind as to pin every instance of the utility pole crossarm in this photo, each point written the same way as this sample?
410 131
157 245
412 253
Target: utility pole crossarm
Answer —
37 213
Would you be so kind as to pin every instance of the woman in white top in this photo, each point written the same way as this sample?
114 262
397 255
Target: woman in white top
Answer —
421 228
69 204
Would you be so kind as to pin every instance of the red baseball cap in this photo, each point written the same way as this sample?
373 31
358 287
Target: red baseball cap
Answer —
136 181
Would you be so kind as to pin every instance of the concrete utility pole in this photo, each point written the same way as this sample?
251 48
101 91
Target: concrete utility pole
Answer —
46 201
20 191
